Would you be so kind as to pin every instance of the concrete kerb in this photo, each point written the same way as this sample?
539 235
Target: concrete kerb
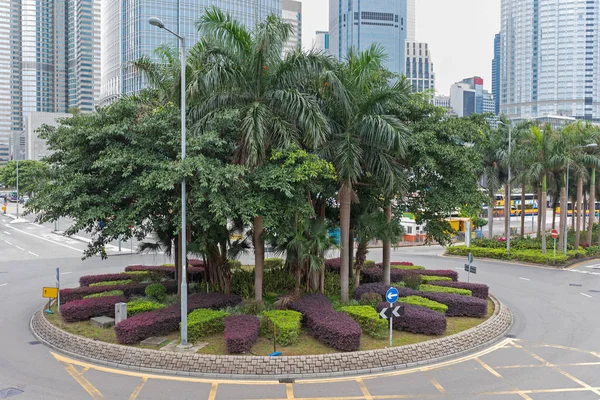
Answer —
298 367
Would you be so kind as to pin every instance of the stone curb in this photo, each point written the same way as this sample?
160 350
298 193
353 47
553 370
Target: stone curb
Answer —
255 367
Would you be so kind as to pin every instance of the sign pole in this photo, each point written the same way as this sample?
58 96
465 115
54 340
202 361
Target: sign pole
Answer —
391 325
58 289
555 248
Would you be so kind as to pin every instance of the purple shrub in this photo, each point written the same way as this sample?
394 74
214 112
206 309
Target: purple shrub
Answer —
447 273
166 320
83 310
405 263
133 289
330 327
477 289
419 320
381 289
372 275
241 332
333 264
87 280
195 272
458 305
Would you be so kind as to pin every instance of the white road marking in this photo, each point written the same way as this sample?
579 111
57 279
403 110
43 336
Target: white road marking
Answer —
525 279
4 284
583 272
20 248
9 243
586 295
33 254
47 240
65 273
7 233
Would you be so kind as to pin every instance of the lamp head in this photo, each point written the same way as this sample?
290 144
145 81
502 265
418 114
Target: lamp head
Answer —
156 22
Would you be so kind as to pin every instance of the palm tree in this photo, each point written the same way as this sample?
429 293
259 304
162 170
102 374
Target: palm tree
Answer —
492 173
364 139
243 71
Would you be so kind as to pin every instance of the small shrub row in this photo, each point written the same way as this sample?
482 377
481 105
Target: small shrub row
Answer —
333 264
112 283
368 319
135 289
139 306
424 302
432 278
477 289
276 280
284 324
329 327
459 306
401 265
87 280
381 289
371 275
531 256
194 273
83 310
136 276
407 267
204 321
105 294
443 289
418 320
166 320
241 333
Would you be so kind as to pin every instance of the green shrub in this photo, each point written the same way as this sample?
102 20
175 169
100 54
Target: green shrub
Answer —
528 255
412 281
156 291
369 264
137 276
273 263
370 299
332 282
431 278
252 307
368 319
167 265
274 281
443 289
141 305
235 264
113 283
204 321
407 267
105 294
285 323
423 302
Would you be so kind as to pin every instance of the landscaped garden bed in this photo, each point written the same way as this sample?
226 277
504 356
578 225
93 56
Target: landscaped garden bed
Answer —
437 306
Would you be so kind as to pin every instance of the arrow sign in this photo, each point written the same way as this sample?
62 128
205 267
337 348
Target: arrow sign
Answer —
392 295
471 268
387 313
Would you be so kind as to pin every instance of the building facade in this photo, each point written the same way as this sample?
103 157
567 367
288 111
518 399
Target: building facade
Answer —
127 35
419 67
549 56
358 24
462 99
291 12
49 51
32 146
496 74
321 42
441 101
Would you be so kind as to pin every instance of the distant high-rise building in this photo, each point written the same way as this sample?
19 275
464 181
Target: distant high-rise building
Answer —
34 147
549 57
321 42
358 24
411 14
49 54
419 67
468 97
441 101
496 74
291 12
489 103
128 36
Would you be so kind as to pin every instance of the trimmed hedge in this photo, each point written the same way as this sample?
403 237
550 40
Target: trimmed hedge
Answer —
83 310
204 321
164 321
287 324
477 289
381 289
333 264
139 306
442 289
423 302
408 267
137 276
459 306
531 256
241 333
105 294
194 273
445 273
273 263
372 275
135 289
431 278
418 320
112 283
156 291
329 327
368 319
86 280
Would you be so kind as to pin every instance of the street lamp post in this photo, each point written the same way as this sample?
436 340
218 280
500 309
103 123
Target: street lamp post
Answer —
18 198
184 336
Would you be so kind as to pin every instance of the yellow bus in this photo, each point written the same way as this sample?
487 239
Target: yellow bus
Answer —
587 209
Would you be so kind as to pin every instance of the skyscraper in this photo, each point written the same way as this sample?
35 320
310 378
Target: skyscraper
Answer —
468 97
128 35
321 42
49 51
357 24
549 57
291 12
496 74
419 67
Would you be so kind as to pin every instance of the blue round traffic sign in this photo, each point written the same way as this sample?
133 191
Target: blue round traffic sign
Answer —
392 295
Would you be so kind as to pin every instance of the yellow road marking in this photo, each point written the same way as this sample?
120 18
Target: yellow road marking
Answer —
437 385
289 391
213 391
363 389
84 383
489 369
138 389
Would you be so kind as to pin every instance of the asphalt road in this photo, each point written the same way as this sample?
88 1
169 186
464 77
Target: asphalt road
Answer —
555 352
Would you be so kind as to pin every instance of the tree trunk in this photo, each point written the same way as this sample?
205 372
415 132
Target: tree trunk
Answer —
584 219
344 199
523 209
322 283
387 248
361 256
506 211
592 206
351 261
579 212
491 207
563 214
259 258
553 213
543 212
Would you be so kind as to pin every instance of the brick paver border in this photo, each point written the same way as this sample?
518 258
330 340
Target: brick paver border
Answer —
244 367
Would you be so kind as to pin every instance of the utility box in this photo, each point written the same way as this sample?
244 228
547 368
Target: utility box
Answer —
120 312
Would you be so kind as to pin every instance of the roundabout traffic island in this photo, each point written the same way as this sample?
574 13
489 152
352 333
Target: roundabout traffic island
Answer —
318 337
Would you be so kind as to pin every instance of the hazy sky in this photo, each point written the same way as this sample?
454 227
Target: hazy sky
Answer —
460 34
